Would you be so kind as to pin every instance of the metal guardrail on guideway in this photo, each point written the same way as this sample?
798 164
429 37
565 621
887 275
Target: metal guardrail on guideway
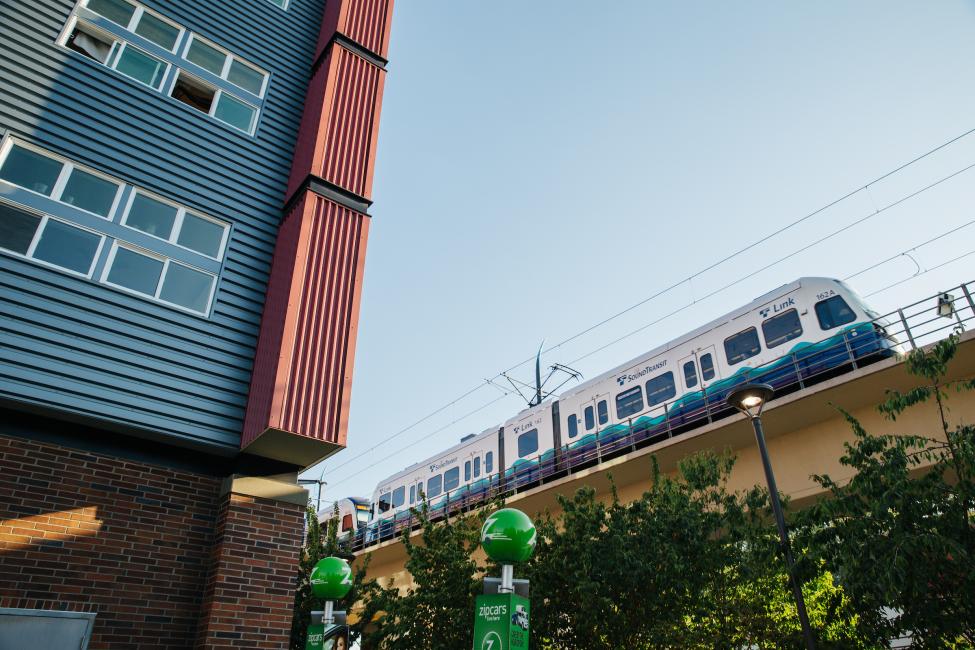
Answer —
899 332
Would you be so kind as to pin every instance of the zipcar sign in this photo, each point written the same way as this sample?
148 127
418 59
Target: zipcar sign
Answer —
331 579
508 536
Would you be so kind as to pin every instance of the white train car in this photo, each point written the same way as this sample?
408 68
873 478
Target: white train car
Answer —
353 515
449 478
789 337
796 332
530 444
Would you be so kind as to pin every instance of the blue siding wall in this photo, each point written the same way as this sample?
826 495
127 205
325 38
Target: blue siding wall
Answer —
77 347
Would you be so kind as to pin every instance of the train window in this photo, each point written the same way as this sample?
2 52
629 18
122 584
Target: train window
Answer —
834 312
362 513
346 523
707 367
399 496
527 443
741 346
451 479
590 420
412 494
629 402
477 466
467 471
602 411
384 502
573 426
660 389
782 328
489 462
434 484
690 375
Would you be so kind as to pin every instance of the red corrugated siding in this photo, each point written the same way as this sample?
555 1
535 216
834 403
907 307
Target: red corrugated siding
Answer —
354 115
273 324
318 375
367 23
303 366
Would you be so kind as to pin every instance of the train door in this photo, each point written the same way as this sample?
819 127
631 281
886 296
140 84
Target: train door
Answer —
697 371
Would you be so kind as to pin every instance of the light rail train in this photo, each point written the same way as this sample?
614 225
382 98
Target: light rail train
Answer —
791 337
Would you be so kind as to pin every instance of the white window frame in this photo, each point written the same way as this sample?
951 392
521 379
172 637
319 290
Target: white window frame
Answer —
45 219
73 22
217 94
177 222
140 10
166 261
119 51
67 167
229 57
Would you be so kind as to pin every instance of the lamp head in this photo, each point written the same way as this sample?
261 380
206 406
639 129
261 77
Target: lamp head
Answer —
750 399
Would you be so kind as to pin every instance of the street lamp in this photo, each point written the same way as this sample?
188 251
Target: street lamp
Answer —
750 399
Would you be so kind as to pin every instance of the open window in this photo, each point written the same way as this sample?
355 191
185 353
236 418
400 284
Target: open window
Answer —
90 42
193 92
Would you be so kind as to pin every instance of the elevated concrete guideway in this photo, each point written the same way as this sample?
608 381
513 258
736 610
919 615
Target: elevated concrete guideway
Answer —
805 434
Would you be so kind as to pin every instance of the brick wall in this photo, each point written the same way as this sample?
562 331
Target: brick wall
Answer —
138 544
253 575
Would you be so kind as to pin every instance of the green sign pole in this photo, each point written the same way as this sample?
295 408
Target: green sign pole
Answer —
331 580
501 621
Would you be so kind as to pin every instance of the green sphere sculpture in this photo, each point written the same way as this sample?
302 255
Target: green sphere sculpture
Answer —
508 536
331 579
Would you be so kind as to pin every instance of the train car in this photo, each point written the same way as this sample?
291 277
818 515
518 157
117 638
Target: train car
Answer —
353 515
450 479
790 337
529 445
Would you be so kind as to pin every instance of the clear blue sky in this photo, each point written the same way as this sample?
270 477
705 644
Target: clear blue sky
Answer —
543 165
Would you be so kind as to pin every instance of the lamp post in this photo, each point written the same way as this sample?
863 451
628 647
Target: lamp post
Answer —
750 399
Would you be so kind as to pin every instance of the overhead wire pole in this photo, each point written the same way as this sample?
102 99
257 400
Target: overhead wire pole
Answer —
690 278
955 259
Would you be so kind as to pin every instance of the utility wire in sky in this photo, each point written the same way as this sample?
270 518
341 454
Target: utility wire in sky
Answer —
680 283
348 477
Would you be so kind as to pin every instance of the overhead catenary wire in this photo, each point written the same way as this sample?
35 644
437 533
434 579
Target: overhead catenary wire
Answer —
678 284
680 309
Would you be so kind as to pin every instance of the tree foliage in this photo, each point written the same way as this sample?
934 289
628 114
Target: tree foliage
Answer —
436 612
901 533
321 544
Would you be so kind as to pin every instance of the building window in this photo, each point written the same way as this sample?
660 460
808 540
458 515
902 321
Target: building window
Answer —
37 234
147 52
48 240
660 389
629 402
528 443
782 328
741 346
834 312
280 3
225 65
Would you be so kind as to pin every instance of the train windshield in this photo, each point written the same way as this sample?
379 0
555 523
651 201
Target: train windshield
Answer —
361 513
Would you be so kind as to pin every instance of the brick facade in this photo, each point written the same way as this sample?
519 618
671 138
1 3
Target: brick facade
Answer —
250 589
138 543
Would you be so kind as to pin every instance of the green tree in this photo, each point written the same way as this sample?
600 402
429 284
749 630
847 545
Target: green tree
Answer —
901 533
321 544
437 612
